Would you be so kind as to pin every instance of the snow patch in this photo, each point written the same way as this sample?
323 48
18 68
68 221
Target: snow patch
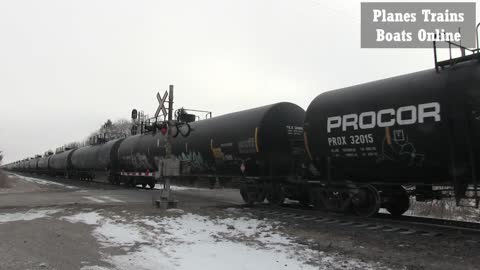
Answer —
43 182
233 210
118 234
175 211
90 218
108 232
442 209
29 215
191 241
94 267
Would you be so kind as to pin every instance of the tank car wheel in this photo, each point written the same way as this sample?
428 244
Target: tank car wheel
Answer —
398 202
249 201
151 185
316 195
144 185
131 182
276 199
318 204
245 196
260 198
275 194
304 201
366 202
121 180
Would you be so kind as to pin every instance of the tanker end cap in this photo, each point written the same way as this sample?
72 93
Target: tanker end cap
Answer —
406 115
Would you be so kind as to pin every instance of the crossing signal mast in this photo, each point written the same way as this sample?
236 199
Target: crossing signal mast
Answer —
164 122
168 167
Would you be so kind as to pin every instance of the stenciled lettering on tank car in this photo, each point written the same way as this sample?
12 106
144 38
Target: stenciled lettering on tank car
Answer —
406 115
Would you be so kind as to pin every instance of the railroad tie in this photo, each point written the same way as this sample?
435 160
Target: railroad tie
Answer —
376 227
321 220
407 231
391 229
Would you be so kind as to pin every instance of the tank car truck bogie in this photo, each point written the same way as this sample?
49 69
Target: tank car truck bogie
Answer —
132 179
361 199
395 199
252 191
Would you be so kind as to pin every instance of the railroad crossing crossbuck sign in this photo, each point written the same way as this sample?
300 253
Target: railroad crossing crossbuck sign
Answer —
161 106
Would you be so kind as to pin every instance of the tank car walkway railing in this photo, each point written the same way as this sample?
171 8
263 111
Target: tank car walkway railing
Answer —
455 60
474 53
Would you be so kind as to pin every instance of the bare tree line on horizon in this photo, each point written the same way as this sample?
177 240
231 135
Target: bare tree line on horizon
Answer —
109 130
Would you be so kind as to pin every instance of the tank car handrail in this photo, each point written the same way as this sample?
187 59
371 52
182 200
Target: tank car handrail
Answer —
452 61
478 43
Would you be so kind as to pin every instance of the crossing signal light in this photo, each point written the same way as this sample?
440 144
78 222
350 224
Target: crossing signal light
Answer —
163 130
162 127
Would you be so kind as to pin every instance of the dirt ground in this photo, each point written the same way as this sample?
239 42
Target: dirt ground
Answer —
4 183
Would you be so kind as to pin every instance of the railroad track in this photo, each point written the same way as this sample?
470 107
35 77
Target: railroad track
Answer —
101 181
404 225
465 226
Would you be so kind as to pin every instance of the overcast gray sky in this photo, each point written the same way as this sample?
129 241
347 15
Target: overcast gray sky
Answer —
67 66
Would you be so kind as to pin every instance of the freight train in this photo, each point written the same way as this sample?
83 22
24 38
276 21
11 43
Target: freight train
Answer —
354 149
247 144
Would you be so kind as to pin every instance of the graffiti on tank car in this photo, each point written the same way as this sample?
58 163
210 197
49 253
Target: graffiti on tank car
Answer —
400 149
141 161
406 115
217 153
195 161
